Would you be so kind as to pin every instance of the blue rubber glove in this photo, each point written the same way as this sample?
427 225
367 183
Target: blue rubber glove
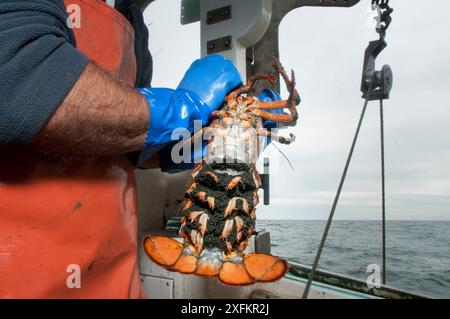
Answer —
201 91
211 78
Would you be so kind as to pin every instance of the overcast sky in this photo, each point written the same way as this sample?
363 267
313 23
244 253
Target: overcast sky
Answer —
325 47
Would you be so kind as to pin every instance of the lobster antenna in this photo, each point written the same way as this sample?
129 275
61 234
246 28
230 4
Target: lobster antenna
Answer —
281 152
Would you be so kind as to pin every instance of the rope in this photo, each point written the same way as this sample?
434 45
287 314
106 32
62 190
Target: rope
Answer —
385 21
383 199
336 198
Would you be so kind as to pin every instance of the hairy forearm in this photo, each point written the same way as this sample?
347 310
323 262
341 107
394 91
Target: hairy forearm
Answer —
100 116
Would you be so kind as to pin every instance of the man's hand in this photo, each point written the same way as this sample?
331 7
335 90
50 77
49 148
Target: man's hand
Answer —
201 91
100 116
211 79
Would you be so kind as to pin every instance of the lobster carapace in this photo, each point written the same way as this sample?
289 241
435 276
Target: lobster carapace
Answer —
219 208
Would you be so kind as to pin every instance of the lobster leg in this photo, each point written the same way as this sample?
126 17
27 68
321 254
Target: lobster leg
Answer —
232 97
280 118
280 70
290 103
217 114
272 105
277 138
294 98
251 82
199 134
206 132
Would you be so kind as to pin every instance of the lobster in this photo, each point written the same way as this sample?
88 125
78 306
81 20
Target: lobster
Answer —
219 209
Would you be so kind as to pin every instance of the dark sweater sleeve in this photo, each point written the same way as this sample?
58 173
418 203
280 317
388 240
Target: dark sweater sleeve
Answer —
39 65
143 57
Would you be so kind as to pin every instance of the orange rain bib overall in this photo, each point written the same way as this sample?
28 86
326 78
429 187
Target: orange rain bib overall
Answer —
68 226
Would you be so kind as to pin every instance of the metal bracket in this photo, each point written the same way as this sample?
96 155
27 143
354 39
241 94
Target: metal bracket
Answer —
262 52
218 15
174 224
265 181
379 81
262 241
219 45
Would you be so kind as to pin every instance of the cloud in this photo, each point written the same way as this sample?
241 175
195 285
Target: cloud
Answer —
325 47
326 51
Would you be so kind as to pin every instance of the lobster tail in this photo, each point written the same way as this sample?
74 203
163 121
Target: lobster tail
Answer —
218 207
239 270
169 254
164 251
265 268
253 268
217 222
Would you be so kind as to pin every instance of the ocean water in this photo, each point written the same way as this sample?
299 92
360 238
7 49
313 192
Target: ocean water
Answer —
417 252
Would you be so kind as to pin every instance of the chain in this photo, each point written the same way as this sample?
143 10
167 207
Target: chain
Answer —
385 17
